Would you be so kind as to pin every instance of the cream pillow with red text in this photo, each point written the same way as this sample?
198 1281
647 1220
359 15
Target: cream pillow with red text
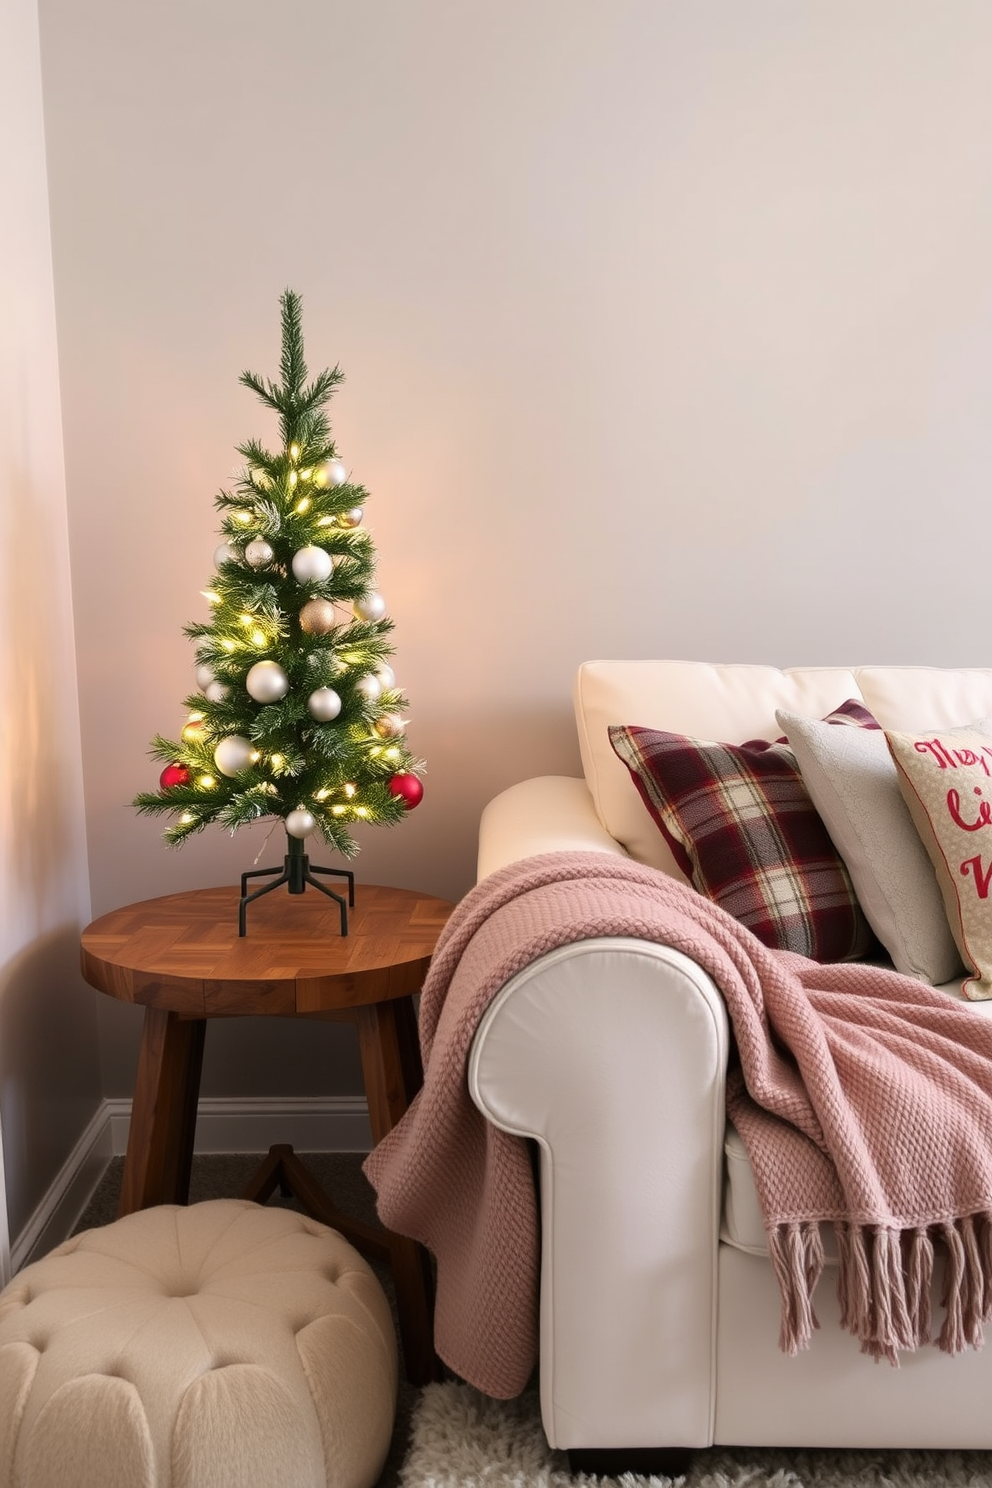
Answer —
946 780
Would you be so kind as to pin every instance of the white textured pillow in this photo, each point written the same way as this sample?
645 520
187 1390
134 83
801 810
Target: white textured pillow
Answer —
854 785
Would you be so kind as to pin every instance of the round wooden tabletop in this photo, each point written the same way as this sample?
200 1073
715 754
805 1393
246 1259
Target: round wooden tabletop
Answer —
183 953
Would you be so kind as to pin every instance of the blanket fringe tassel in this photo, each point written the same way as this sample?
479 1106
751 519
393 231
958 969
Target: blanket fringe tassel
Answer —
796 1252
885 1281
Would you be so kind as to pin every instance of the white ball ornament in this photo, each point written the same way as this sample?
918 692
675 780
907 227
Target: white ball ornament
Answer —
312 565
259 553
216 692
387 677
369 687
300 823
267 682
233 754
352 517
224 554
331 473
324 704
370 607
204 676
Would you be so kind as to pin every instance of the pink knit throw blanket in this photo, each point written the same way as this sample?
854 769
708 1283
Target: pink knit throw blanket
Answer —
864 1099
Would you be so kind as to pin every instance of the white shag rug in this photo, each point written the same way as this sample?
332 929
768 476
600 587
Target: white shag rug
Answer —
461 1439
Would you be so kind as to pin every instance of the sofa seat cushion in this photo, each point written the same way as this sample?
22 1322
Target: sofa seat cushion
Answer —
741 1223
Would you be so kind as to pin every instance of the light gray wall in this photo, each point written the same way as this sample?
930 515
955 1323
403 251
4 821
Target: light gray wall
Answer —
49 1056
667 330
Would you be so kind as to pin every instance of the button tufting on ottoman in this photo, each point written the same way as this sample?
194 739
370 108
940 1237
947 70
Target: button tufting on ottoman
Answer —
222 1345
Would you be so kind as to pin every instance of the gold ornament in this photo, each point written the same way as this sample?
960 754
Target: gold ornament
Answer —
259 553
317 617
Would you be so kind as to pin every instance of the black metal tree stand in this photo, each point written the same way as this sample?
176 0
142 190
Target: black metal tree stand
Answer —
296 871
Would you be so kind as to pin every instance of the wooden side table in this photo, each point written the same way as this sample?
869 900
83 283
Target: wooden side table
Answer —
181 958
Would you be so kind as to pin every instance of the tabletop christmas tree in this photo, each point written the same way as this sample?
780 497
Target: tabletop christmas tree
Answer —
298 715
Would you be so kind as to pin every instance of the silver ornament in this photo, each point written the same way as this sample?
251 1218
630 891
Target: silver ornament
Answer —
300 823
312 565
224 554
371 606
204 676
215 691
351 518
324 704
259 553
233 754
369 687
267 682
331 473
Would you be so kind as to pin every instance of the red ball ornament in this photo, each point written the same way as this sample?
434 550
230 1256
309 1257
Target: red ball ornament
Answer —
409 788
173 775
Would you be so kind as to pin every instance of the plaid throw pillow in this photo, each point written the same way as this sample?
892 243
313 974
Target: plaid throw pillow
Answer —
742 827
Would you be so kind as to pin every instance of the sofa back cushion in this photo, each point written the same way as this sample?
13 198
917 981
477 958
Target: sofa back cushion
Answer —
735 702
913 699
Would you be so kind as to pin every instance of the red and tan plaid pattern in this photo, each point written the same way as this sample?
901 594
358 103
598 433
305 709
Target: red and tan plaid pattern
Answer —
742 827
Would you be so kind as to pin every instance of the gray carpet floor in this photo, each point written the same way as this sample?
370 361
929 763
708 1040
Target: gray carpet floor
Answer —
223 1176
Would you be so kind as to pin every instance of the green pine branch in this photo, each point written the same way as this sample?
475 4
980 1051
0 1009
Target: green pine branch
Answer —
298 406
292 365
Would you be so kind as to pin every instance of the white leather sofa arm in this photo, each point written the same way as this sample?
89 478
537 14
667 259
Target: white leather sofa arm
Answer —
611 1055
551 813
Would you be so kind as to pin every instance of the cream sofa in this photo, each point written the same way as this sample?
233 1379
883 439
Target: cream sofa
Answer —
659 1308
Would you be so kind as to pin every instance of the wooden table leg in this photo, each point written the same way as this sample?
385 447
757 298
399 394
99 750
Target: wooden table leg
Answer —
163 1112
387 1036
282 1169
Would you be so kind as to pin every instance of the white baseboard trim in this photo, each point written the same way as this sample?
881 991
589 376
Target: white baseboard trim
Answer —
6 1270
333 1123
55 1217
321 1124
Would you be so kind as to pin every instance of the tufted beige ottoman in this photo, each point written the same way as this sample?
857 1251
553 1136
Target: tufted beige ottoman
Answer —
220 1346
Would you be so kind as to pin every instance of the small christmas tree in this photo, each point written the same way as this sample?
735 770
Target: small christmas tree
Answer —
298 715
